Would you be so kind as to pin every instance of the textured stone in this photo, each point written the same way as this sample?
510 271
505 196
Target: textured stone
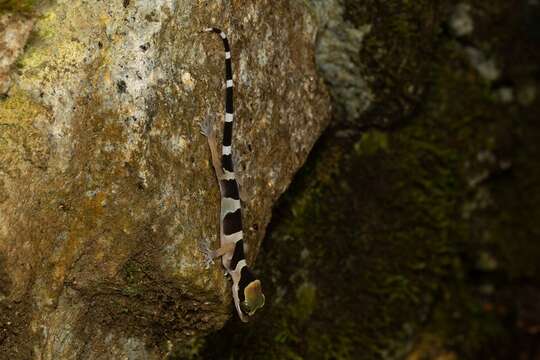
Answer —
105 182
337 50
14 32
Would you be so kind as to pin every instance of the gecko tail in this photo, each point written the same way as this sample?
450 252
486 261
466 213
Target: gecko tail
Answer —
226 159
215 30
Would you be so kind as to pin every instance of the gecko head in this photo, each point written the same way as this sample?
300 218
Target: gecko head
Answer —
254 298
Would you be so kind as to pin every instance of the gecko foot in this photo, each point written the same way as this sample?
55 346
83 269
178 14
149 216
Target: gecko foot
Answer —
204 247
207 128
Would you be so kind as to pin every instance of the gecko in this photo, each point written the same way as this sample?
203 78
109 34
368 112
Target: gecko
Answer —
246 288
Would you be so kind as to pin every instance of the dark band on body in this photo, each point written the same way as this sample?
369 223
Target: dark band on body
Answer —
238 253
227 163
232 222
230 189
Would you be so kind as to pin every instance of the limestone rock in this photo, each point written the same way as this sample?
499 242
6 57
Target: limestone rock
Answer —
105 182
14 32
337 50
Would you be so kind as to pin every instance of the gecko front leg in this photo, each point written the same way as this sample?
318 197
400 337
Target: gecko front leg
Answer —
207 130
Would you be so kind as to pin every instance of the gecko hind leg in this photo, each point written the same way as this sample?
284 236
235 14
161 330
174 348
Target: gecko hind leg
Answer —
210 255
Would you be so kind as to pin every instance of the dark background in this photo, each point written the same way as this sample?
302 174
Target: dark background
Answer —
413 231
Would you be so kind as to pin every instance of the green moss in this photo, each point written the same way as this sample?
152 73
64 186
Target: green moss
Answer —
306 297
372 142
396 50
19 109
19 6
371 247
133 275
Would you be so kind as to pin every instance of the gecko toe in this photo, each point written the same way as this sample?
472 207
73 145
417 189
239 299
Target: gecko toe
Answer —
206 128
204 248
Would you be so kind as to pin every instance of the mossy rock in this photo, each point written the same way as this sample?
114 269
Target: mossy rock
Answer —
410 239
18 6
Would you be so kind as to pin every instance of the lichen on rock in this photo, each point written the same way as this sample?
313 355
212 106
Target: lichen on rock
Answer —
105 183
338 45
14 32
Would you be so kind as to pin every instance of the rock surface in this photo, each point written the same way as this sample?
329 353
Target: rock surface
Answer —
14 32
340 42
105 181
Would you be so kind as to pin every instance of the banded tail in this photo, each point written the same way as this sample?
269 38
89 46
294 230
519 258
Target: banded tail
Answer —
226 149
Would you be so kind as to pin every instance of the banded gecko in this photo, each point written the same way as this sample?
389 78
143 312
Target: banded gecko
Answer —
246 288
